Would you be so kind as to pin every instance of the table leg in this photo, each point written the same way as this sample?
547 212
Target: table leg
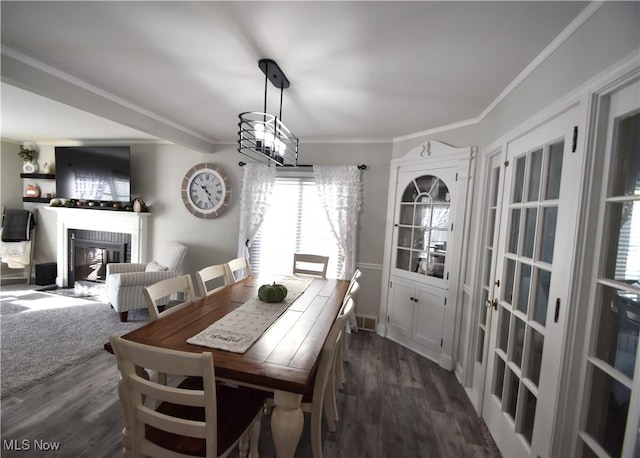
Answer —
287 421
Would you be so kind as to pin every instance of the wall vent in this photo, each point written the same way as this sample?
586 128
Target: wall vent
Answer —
367 323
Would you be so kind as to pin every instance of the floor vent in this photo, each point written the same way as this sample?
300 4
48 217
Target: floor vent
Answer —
367 323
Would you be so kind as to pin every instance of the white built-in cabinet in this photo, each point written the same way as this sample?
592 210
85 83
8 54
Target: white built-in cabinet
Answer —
428 193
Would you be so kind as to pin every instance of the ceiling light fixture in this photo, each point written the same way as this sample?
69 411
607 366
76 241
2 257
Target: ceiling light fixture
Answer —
263 136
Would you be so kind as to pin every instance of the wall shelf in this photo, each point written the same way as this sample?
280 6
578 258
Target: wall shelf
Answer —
39 200
40 176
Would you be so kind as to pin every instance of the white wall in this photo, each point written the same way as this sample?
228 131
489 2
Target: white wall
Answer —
10 182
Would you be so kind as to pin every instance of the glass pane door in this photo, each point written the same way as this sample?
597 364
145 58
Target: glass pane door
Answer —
609 422
534 256
488 280
423 225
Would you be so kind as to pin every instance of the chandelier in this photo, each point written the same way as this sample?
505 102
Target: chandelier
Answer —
263 136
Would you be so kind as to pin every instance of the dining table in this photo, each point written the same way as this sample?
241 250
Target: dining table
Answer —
282 360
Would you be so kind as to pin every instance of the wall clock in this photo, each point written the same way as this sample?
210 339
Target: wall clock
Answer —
206 190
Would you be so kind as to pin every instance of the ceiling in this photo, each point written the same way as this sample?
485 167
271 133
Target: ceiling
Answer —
183 71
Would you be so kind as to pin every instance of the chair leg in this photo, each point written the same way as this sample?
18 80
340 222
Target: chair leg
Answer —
316 431
243 446
123 316
339 364
330 406
343 347
254 437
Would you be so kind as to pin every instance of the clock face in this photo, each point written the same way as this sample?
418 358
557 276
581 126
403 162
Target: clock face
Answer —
206 190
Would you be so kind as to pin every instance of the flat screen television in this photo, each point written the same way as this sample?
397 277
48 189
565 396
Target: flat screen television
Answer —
93 173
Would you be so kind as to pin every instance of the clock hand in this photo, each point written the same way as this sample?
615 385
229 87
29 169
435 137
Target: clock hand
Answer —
208 193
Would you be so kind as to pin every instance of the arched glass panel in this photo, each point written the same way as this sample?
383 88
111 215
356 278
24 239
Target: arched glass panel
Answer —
423 227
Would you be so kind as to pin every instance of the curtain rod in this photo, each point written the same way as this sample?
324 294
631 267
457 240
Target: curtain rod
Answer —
360 166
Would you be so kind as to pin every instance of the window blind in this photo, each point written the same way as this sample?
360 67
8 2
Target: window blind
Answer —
294 222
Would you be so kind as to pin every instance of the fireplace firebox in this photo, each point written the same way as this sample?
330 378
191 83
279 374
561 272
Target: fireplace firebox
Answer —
91 251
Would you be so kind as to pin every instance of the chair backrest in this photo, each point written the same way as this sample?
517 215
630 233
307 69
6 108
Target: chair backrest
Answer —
310 264
168 287
205 279
352 293
172 256
356 275
235 265
136 391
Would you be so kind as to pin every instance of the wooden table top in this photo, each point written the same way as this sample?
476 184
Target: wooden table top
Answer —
283 358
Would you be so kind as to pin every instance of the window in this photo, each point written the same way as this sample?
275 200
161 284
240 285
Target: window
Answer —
295 221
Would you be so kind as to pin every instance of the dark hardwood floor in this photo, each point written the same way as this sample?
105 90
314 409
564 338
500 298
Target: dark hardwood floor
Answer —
395 404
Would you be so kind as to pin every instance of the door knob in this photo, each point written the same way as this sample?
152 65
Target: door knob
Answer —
493 303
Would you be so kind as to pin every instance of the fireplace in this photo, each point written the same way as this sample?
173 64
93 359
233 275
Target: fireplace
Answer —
133 225
91 251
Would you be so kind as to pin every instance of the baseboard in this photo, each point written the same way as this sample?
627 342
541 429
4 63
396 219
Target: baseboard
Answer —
367 323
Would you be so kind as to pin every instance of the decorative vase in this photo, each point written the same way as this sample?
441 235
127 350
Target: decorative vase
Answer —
46 168
29 167
137 206
32 191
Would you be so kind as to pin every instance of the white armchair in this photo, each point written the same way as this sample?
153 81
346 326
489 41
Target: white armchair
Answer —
126 281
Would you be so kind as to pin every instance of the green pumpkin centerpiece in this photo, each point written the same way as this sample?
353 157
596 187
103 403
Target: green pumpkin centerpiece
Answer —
272 293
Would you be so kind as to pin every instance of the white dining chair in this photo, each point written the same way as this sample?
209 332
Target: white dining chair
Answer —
310 264
238 269
210 277
341 358
196 418
324 393
321 396
160 291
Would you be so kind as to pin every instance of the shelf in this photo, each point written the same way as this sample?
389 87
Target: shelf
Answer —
39 176
435 253
39 200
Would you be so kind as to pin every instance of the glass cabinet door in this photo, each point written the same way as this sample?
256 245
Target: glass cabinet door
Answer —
423 226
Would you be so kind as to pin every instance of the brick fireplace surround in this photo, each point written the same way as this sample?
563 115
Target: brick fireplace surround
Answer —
135 224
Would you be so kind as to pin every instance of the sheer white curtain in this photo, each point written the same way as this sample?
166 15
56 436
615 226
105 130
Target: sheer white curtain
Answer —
340 191
257 186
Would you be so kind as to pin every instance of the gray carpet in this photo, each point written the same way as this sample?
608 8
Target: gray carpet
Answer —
42 334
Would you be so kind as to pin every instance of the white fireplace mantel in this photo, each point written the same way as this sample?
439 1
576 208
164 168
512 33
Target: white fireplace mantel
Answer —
135 224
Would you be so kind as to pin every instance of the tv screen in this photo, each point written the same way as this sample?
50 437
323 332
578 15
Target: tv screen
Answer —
93 173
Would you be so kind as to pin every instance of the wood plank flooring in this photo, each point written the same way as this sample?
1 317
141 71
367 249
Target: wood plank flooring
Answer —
395 404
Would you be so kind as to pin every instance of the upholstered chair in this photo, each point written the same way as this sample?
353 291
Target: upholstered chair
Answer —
126 281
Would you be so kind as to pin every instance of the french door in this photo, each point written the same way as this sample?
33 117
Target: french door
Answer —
534 259
610 404
488 284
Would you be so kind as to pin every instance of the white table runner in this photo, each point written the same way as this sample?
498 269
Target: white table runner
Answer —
238 330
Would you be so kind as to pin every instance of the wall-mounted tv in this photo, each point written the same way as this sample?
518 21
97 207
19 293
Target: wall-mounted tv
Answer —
93 173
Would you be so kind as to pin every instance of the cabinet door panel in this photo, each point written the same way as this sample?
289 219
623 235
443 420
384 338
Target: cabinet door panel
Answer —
429 311
401 315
